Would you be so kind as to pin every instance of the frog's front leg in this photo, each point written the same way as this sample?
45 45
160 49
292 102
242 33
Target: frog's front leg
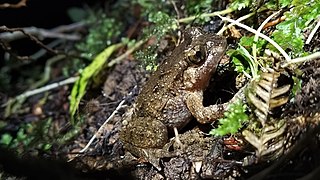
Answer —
203 114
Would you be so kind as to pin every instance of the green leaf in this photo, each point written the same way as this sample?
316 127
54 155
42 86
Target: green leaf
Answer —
240 4
248 42
6 139
103 32
239 67
198 6
243 61
79 88
284 3
290 33
46 147
237 60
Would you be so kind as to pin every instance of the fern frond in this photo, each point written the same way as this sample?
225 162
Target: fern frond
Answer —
265 94
270 143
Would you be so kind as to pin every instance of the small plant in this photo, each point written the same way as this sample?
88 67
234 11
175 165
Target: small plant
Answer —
243 62
103 32
148 57
233 120
198 7
162 24
28 136
290 33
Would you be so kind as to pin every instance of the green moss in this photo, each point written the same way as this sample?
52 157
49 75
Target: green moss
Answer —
233 120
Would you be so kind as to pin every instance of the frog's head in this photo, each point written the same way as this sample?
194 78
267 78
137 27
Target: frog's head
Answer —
203 55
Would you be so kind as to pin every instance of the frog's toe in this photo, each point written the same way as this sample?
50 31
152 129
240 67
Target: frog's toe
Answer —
155 162
177 139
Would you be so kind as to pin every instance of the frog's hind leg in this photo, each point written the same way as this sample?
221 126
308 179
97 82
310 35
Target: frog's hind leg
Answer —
147 133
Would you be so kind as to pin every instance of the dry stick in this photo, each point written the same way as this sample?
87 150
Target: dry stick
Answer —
30 36
45 88
285 55
19 33
217 13
47 71
175 8
70 27
255 40
313 56
42 52
313 32
12 34
176 134
274 22
100 130
124 55
232 24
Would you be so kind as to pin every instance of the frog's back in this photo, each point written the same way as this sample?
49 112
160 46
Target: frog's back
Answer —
164 84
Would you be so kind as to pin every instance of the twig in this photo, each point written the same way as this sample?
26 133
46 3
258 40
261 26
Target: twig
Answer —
13 34
33 38
274 22
175 8
102 127
232 24
42 52
255 40
313 32
100 130
69 27
313 56
20 4
127 53
47 71
276 45
44 89
191 18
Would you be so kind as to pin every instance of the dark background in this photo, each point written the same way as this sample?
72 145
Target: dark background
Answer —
40 13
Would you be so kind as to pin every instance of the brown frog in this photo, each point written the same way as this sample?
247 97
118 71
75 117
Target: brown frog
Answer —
174 94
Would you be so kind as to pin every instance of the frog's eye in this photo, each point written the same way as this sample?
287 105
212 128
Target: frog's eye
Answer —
197 55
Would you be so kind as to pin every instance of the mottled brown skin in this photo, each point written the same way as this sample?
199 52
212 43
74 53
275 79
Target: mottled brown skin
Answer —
174 94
